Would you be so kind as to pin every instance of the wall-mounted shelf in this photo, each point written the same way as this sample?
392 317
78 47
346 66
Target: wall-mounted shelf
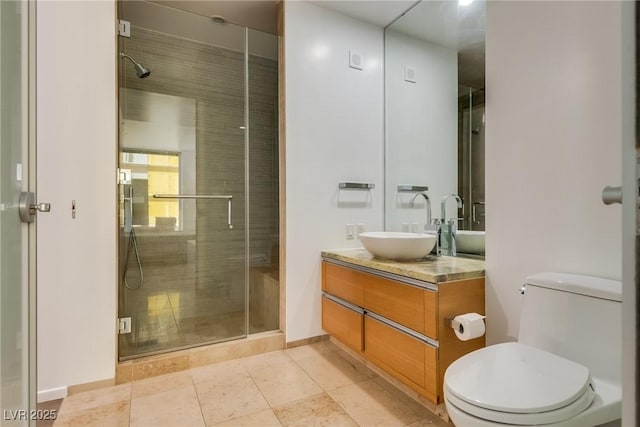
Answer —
412 188
355 186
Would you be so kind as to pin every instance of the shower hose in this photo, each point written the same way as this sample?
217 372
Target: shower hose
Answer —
133 241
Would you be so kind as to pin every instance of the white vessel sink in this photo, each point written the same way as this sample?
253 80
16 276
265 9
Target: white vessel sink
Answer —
470 242
398 246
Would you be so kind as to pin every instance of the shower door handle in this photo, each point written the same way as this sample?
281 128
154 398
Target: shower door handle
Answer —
201 196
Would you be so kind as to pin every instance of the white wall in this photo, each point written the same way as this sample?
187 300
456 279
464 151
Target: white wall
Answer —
552 143
334 127
421 127
76 160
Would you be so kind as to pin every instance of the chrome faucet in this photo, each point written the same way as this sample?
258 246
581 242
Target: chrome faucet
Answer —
436 222
451 224
426 198
443 205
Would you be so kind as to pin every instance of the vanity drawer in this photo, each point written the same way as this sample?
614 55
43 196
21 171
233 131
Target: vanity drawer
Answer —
343 323
408 305
411 360
343 282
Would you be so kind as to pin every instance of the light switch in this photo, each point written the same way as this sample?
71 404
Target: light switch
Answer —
409 74
355 60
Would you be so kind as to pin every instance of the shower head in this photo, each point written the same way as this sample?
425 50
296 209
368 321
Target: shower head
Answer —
141 71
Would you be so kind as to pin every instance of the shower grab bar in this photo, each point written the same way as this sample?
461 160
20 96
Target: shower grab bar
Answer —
200 196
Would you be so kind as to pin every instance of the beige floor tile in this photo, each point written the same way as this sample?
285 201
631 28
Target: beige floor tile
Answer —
369 404
219 371
431 421
112 415
319 410
264 418
331 370
283 383
401 397
310 350
177 407
160 383
95 398
230 397
265 360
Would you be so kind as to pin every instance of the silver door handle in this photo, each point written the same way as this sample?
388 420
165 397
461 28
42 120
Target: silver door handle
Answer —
611 195
201 196
28 208
473 210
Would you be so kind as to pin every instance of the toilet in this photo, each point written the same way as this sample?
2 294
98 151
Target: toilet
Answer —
565 369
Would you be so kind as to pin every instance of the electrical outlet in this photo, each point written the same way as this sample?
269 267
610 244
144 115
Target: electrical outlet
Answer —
349 231
415 227
360 228
405 227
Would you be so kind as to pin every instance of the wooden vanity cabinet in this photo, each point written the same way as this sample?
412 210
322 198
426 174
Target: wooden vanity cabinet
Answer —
400 326
343 323
344 283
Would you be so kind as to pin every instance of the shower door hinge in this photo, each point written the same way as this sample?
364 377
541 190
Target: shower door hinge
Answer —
124 28
124 325
124 176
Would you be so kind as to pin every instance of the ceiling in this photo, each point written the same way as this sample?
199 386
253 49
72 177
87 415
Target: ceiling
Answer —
257 14
262 14
442 22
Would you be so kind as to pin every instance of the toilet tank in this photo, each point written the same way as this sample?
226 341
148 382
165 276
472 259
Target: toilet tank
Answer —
576 317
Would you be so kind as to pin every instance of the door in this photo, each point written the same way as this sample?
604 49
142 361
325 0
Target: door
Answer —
17 348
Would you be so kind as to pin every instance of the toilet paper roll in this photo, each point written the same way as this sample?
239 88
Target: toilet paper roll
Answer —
468 326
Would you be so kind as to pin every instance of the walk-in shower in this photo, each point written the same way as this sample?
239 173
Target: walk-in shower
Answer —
198 168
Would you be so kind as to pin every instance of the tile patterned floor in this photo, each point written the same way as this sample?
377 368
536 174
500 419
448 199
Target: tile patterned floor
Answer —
313 385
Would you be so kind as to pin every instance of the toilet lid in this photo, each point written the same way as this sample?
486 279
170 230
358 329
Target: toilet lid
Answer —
514 379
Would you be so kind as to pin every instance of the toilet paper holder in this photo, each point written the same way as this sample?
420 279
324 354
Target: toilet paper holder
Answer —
448 321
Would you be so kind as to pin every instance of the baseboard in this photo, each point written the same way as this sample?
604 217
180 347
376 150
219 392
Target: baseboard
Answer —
306 341
52 394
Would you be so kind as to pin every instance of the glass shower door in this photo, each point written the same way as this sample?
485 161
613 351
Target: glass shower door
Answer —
182 158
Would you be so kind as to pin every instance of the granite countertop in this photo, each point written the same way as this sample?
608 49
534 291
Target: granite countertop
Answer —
432 269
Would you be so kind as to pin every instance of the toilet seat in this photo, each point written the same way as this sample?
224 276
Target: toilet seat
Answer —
513 383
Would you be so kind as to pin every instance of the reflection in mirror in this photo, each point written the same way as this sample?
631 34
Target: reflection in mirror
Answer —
158 146
434 102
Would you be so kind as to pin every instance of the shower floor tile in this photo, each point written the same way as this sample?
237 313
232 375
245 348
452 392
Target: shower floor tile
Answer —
304 386
170 311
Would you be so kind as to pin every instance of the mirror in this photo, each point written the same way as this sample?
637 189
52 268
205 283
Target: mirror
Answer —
434 107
